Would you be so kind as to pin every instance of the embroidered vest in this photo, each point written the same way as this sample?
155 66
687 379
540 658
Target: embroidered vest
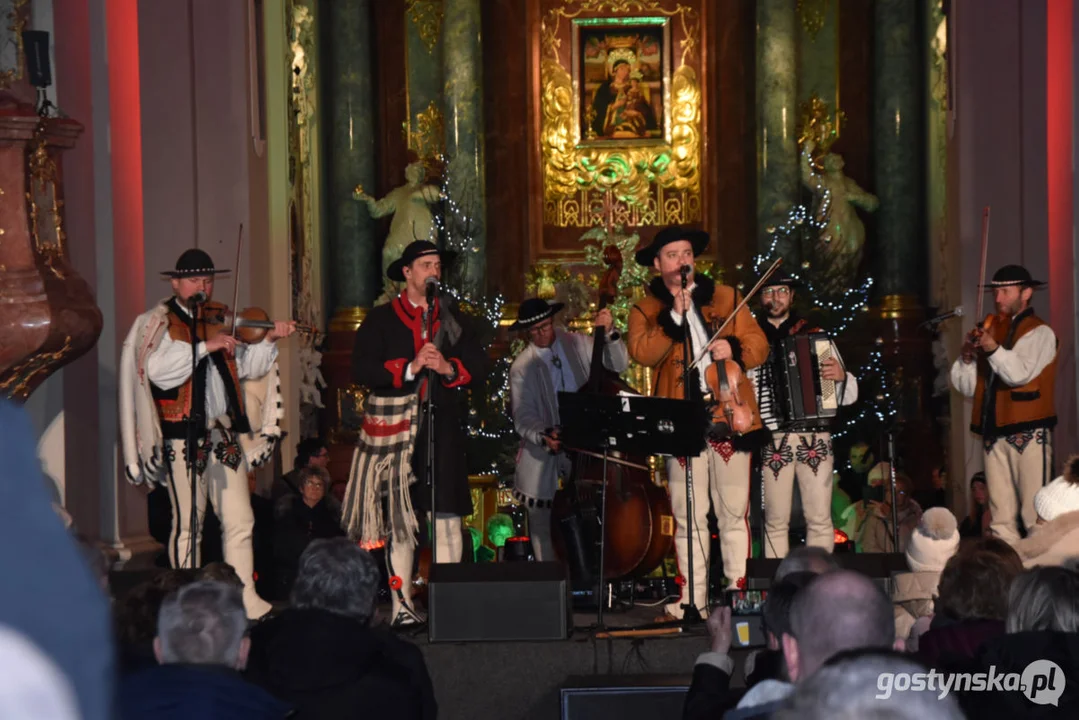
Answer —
1002 410
177 406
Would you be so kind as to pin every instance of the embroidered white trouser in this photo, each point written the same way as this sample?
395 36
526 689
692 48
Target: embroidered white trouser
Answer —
449 545
807 457
221 478
1016 467
722 480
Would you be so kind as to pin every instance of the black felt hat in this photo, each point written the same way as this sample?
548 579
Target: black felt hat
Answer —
1013 276
194 263
782 277
415 250
697 238
534 311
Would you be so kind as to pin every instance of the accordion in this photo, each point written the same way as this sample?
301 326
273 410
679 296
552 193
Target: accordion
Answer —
801 393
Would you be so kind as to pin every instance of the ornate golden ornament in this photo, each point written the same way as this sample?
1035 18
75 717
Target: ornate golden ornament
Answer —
428 139
43 206
649 181
426 15
20 377
12 57
818 122
812 14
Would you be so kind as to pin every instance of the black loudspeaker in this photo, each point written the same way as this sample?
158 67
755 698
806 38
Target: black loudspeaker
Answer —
628 697
498 601
36 48
880 566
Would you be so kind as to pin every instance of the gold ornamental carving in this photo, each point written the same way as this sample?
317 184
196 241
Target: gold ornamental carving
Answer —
45 208
812 14
649 180
14 17
20 378
428 139
426 15
821 124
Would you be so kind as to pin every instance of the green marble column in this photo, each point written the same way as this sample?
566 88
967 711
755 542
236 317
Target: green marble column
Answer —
818 51
898 154
350 152
777 116
463 97
423 61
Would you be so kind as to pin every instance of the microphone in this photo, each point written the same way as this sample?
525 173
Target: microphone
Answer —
197 299
957 312
432 287
684 271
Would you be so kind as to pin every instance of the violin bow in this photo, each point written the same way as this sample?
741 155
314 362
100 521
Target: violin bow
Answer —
978 317
236 281
737 309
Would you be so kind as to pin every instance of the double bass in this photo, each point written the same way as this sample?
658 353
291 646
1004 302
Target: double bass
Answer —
639 531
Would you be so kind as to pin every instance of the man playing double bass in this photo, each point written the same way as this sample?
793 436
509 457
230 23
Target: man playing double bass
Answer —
1009 369
721 473
414 345
801 449
555 361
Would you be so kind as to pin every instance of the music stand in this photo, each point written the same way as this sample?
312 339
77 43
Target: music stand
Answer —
630 423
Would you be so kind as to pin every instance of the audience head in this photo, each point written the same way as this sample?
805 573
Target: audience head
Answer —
203 623
837 611
339 577
312 452
934 541
1045 598
221 572
806 559
136 613
975 582
1061 496
776 613
314 482
979 490
862 684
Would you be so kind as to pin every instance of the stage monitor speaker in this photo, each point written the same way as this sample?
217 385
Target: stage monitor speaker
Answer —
880 566
498 602
36 49
628 697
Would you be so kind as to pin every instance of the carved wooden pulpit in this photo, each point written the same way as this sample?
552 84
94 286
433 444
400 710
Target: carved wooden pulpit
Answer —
48 315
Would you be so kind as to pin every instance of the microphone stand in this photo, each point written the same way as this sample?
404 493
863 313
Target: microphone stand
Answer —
895 497
429 459
690 613
193 428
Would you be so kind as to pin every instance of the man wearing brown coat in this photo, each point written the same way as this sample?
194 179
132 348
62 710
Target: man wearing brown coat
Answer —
721 473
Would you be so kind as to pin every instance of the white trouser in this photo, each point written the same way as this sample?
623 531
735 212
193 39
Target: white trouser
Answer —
1016 467
539 529
722 480
448 547
221 477
807 456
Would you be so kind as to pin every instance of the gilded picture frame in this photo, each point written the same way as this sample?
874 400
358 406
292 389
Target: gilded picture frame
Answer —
621 81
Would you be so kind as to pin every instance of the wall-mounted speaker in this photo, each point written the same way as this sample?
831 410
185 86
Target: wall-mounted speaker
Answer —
36 49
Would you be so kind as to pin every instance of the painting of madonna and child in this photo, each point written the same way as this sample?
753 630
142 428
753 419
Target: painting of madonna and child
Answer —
622 76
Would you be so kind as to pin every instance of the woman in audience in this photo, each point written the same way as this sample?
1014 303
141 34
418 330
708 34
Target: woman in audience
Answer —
970 606
1041 646
877 533
931 545
976 524
299 519
1055 539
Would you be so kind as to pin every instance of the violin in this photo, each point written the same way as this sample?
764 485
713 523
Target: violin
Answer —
730 414
981 329
251 324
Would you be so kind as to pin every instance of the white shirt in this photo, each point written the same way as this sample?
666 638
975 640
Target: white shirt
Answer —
169 366
698 336
1015 367
558 366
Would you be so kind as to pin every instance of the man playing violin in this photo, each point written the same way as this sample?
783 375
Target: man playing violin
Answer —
555 361
1008 365
721 473
163 405
404 349
803 449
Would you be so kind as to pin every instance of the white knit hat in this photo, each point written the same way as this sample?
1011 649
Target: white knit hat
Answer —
1060 496
934 541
